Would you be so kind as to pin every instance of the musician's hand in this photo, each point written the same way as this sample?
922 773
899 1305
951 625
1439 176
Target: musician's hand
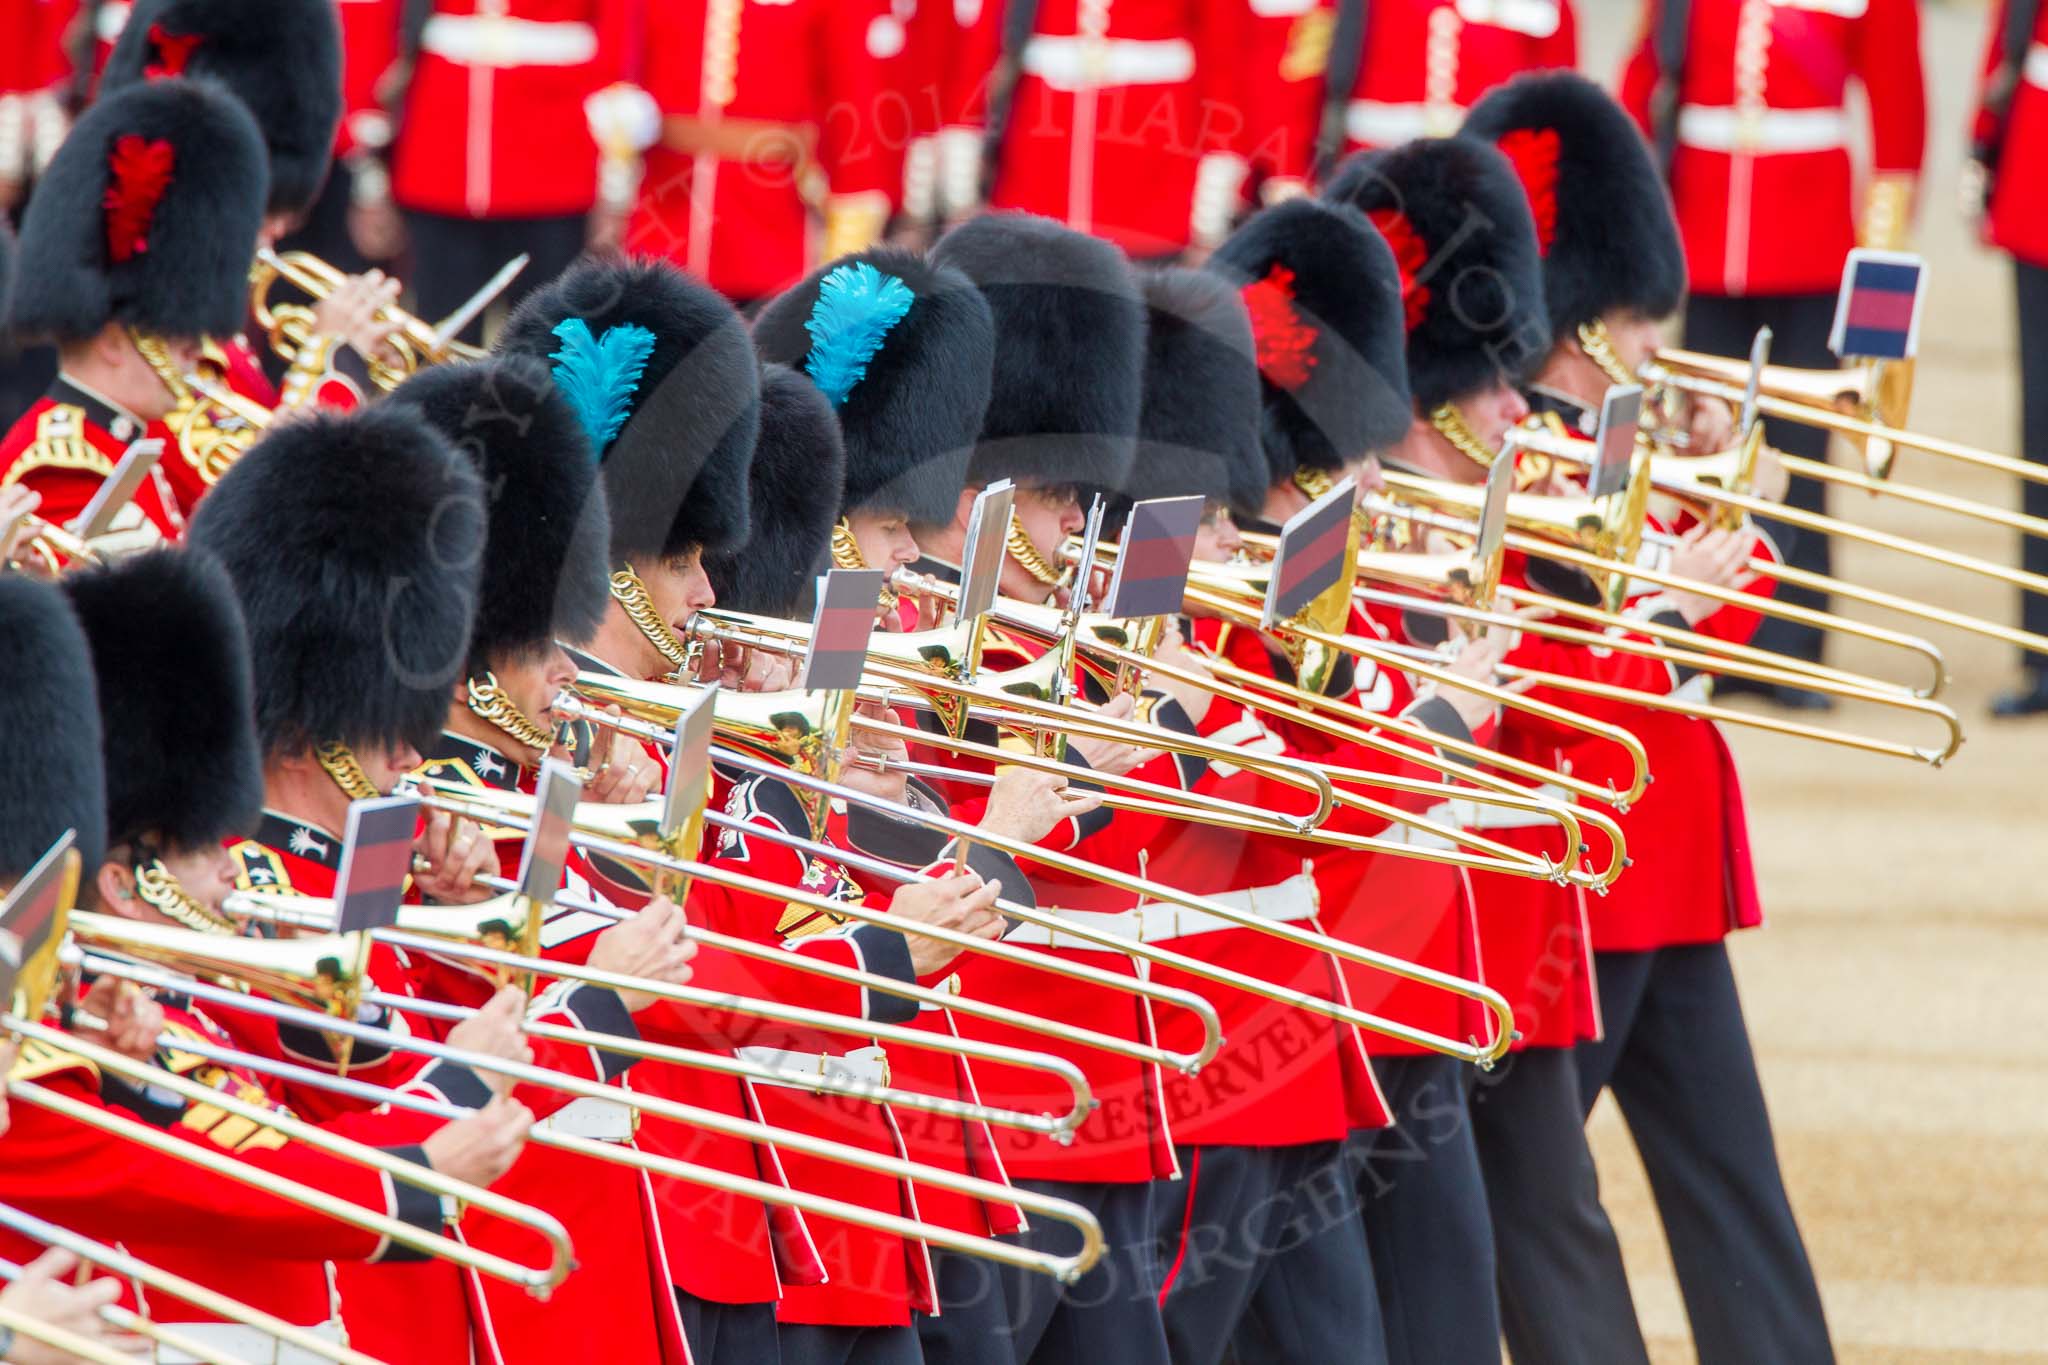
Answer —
1173 650
1714 556
962 902
1025 805
448 857
1108 755
482 1147
17 503
1477 660
624 774
43 1292
891 783
127 1020
652 945
498 1030
755 670
355 313
1710 423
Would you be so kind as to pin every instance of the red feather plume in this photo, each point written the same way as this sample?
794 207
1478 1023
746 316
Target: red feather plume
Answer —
1534 152
1411 254
1284 344
172 50
139 171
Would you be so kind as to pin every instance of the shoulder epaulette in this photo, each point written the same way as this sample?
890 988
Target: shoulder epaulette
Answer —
258 868
59 444
38 1059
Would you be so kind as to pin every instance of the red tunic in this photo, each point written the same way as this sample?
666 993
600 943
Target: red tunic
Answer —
492 125
1763 136
1118 104
813 82
2018 218
67 444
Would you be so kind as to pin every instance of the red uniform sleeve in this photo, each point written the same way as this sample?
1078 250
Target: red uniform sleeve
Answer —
1887 59
1639 76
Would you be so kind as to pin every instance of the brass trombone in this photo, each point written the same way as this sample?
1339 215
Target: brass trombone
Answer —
1846 686
289 326
141 1272
1064 1268
1140 888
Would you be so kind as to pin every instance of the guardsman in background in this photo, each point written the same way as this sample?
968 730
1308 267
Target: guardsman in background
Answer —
1745 101
352 224
1122 120
1674 1046
138 237
773 138
2009 139
1477 325
1336 76
34 72
492 154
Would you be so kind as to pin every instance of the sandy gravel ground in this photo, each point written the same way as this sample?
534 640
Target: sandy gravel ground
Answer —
1896 996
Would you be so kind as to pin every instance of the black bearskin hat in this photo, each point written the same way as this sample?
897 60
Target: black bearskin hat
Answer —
282 58
1603 216
1458 222
176 698
798 462
51 778
662 372
1198 430
910 377
356 544
147 216
1070 350
547 564
1324 297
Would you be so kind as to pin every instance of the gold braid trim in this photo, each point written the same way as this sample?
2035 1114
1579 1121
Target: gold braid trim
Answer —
846 555
632 596
1027 556
1450 424
160 891
1593 340
1313 482
488 702
348 774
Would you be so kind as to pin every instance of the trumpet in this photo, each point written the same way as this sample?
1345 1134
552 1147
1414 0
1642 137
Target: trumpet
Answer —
1081 933
289 326
141 1272
211 423
57 547
1064 1268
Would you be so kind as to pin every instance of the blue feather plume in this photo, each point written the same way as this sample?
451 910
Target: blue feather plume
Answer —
599 375
856 308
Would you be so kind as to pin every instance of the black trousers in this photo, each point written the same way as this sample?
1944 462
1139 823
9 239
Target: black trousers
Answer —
996 1315
728 1333
1677 1056
1725 325
1265 1259
1426 1221
2031 288
1564 1297
452 258
804 1344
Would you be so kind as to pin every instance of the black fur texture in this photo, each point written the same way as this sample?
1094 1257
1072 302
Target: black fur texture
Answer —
547 567
356 544
1198 430
676 476
193 278
798 462
282 58
911 422
1485 320
1070 350
1615 245
51 777
176 698
1347 289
